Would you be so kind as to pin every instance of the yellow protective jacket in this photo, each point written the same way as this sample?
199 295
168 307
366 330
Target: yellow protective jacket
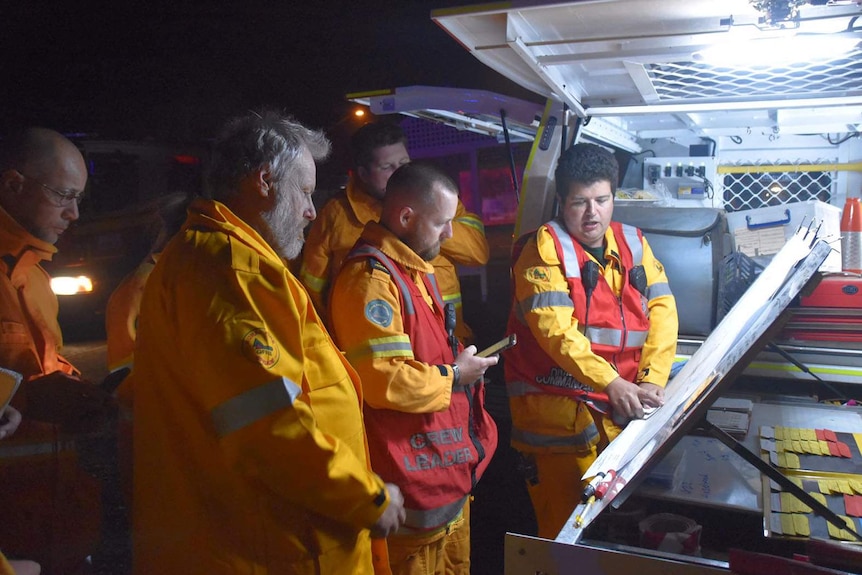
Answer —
391 377
389 317
549 422
340 223
121 315
249 447
52 506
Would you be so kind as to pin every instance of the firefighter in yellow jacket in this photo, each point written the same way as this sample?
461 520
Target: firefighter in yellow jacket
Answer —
249 444
593 312
427 426
378 150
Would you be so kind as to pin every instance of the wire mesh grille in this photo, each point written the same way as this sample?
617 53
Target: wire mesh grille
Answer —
694 80
424 135
785 183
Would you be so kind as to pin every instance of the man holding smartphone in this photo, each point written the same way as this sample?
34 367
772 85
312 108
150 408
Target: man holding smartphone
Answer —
428 431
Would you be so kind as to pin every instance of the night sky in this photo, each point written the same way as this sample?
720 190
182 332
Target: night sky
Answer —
173 71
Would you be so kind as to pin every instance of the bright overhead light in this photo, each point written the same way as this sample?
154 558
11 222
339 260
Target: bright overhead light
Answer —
778 51
67 285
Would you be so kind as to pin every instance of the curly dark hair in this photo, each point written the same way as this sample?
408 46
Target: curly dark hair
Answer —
585 164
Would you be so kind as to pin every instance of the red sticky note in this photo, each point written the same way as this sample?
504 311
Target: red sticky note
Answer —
830 435
844 449
833 449
821 434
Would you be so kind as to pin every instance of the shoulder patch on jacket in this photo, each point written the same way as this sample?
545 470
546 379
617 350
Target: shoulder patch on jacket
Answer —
379 312
257 345
538 274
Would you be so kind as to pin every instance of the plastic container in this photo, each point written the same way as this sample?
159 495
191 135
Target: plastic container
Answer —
851 236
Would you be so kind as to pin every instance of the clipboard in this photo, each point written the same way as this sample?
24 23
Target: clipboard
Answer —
9 383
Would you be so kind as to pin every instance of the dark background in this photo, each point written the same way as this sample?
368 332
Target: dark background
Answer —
176 71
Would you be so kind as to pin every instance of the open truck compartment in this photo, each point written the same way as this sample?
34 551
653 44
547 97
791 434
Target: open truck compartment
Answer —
725 165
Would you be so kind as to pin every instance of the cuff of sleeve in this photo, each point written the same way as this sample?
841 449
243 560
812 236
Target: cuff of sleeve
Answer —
367 515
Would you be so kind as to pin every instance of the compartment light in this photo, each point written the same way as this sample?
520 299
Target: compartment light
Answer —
776 51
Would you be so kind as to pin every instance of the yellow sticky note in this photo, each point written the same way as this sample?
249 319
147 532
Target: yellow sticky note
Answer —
857 437
819 497
842 534
788 502
787 525
792 461
800 524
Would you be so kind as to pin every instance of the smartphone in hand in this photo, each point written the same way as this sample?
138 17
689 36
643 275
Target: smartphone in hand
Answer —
500 346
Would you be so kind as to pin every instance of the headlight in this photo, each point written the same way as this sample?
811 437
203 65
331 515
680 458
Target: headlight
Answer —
67 285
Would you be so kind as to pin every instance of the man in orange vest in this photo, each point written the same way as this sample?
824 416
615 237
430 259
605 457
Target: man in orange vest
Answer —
428 431
378 150
593 312
53 504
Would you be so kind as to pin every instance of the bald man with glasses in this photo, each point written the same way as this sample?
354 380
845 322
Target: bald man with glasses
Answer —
51 507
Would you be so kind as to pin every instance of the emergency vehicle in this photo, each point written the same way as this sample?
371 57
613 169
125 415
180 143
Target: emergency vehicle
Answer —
736 124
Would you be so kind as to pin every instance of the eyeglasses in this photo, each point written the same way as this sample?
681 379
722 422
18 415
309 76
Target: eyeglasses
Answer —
63 198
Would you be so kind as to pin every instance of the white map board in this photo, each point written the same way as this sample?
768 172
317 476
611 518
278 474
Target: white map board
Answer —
757 309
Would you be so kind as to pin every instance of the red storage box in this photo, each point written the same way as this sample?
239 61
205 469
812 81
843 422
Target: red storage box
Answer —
836 291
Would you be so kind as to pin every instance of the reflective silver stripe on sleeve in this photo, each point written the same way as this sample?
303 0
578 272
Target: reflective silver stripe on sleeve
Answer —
546 299
634 242
583 439
658 290
9 451
253 405
388 346
472 222
425 519
570 257
453 298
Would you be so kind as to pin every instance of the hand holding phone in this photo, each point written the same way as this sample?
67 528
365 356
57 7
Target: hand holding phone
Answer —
499 347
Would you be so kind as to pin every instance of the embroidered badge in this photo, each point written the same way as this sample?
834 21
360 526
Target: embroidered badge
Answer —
258 346
539 274
379 312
